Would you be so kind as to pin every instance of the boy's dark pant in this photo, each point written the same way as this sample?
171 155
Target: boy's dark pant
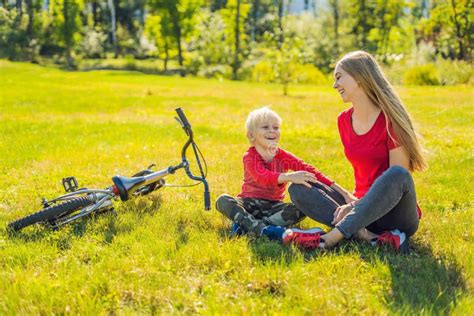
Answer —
252 215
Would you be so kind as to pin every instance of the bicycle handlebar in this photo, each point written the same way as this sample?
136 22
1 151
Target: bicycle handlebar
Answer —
183 119
185 164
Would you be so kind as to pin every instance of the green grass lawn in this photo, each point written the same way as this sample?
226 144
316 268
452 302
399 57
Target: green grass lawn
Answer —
164 253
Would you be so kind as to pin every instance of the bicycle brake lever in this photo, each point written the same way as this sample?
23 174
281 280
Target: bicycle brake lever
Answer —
182 125
179 121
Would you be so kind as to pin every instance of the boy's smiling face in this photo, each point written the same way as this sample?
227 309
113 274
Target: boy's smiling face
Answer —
266 133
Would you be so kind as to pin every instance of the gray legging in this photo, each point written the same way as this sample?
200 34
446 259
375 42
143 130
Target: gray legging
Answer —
389 204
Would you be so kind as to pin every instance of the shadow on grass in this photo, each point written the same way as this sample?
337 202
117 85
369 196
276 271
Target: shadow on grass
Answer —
267 251
106 223
421 281
131 69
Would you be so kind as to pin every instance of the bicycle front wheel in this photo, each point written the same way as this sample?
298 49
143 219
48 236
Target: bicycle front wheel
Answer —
51 213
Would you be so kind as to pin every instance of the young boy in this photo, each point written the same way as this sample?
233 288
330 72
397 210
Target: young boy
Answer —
259 209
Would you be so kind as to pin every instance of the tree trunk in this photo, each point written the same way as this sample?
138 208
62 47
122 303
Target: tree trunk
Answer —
113 22
280 23
19 6
255 9
165 61
67 34
236 64
335 8
459 33
177 31
29 29
363 24
95 13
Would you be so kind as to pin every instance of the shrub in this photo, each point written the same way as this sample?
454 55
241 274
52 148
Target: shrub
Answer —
13 36
309 74
263 72
453 72
93 43
424 75
215 71
193 63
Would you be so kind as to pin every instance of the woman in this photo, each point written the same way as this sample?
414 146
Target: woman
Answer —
381 144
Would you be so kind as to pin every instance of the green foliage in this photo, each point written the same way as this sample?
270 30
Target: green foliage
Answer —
200 36
309 74
70 21
315 44
211 44
215 71
126 41
372 23
13 35
449 27
454 72
263 72
424 75
93 43
153 32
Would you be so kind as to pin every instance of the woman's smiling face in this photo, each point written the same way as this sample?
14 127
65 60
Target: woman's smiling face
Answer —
345 84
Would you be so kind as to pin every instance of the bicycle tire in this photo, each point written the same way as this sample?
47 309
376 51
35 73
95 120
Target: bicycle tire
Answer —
51 213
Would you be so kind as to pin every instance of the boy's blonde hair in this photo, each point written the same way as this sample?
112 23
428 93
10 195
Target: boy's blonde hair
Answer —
259 115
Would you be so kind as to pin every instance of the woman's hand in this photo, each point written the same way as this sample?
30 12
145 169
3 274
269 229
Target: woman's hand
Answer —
341 212
349 198
299 177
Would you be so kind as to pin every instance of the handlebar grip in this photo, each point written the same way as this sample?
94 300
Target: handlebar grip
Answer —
207 201
183 118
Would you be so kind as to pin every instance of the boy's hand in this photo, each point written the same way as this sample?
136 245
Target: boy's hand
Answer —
299 177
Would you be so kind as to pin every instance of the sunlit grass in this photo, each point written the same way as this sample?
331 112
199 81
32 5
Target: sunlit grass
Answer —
164 253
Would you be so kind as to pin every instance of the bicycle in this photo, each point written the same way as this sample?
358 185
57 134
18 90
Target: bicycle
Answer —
77 203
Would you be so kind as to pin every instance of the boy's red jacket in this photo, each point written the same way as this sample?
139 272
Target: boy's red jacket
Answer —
261 178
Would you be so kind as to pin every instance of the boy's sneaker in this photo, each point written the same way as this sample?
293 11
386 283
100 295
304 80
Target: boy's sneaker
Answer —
306 239
273 232
394 238
235 230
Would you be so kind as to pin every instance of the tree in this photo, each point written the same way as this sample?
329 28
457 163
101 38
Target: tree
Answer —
280 23
179 20
461 12
234 16
388 13
70 27
362 14
334 5
236 63
372 22
449 27
113 27
19 7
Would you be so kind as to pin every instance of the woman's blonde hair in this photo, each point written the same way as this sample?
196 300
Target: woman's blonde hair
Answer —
259 115
364 69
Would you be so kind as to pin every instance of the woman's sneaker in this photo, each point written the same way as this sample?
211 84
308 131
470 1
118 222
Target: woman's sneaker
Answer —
394 238
306 239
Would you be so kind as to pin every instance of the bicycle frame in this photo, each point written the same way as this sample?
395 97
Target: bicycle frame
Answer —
123 187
